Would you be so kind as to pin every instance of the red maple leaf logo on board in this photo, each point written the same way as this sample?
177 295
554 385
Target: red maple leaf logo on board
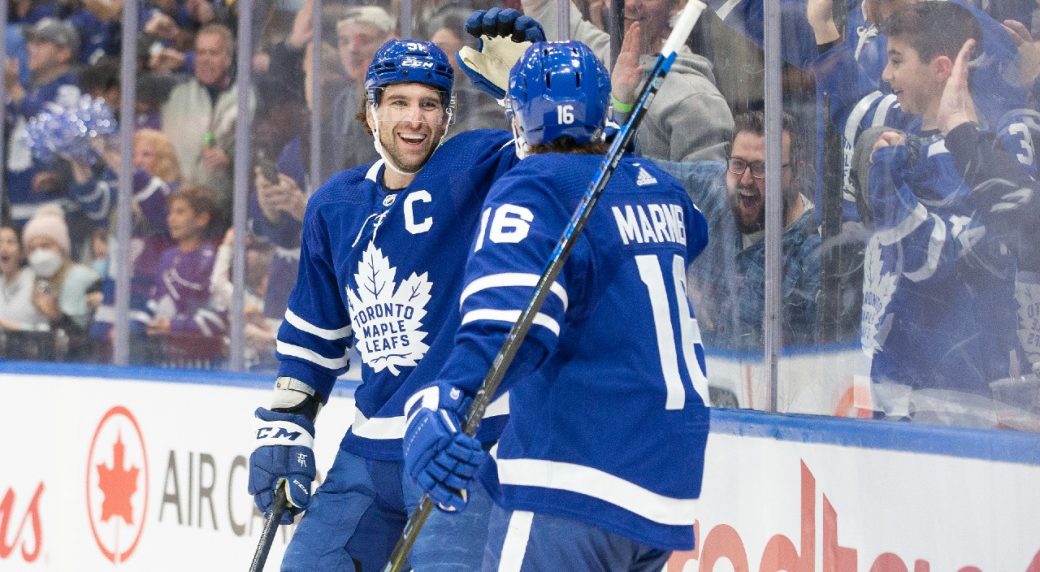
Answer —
118 485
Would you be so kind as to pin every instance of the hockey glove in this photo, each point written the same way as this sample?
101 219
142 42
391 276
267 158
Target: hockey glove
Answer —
437 454
283 457
504 36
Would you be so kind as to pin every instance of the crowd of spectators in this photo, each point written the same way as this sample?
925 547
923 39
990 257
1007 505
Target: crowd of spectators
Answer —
937 298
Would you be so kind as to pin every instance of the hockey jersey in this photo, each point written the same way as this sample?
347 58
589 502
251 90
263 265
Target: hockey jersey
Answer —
97 199
381 271
938 297
608 417
182 295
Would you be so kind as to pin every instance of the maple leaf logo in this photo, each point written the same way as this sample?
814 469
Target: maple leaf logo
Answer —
118 485
878 287
1027 295
387 317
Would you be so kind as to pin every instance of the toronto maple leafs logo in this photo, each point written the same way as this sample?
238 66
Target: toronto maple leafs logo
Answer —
878 286
387 316
1027 296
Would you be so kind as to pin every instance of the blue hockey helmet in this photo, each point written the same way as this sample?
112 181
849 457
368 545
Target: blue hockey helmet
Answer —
559 89
409 61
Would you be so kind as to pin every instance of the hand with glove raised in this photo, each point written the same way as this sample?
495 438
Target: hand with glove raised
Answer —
504 36
284 456
437 454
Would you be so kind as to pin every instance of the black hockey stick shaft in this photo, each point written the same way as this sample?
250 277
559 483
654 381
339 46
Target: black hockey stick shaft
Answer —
683 26
270 527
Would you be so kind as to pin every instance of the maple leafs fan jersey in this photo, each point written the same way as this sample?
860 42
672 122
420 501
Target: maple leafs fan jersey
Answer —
381 271
607 394
938 297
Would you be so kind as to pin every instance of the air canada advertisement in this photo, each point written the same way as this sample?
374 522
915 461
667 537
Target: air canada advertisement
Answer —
109 474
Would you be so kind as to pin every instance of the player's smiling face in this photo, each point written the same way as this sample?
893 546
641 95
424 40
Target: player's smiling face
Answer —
412 120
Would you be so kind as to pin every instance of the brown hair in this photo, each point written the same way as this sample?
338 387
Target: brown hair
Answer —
201 200
933 28
567 145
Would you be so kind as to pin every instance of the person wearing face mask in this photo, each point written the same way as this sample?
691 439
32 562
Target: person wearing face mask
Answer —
16 286
61 287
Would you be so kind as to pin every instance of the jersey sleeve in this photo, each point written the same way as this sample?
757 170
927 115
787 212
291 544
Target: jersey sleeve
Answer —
97 197
522 221
924 239
315 338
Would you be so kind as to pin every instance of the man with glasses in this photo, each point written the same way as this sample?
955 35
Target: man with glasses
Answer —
728 280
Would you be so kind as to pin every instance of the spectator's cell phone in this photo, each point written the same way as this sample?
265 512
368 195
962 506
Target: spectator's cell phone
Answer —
267 167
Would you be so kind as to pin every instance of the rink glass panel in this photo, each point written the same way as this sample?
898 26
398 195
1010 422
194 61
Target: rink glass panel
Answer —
825 369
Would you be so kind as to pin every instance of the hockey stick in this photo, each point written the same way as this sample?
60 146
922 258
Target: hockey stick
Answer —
270 526
683 26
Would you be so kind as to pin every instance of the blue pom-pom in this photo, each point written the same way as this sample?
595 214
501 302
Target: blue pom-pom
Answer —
67 131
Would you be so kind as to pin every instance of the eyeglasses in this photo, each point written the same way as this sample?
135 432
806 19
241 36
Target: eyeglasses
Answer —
758 168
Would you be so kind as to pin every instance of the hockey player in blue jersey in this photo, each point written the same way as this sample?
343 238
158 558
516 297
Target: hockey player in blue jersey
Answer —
382 255
600 465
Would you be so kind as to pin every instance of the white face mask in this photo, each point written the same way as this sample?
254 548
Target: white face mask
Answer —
45 262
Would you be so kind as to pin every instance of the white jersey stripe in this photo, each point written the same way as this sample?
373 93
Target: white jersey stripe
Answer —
393 427
514 547
154 186
303 353
910 222
305 326
498 407
377 427
507 279
385 428
510 316
935 246
597 484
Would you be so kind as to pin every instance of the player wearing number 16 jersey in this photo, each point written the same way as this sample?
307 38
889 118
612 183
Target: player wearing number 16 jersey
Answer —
601 462
382 255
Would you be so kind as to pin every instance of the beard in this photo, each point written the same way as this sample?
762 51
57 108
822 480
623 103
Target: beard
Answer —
750 213
408 161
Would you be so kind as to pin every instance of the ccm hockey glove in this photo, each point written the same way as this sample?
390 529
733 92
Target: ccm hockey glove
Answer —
437 454
283 456
504 36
